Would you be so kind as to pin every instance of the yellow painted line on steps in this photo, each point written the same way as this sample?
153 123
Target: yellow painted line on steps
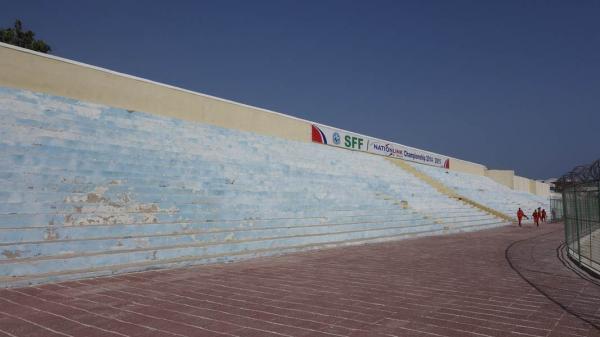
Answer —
446 190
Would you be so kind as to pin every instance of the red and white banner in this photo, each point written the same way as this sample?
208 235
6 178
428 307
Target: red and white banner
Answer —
340 138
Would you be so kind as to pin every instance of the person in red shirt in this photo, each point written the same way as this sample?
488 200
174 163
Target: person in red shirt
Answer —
520 215
536 218
543 215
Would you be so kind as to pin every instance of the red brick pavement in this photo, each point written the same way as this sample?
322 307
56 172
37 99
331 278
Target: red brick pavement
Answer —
457 285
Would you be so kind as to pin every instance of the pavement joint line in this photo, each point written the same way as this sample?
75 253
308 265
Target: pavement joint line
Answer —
7 333
312 312
36 324
183 323
291 302
266 293
448 290
47 312
497 316
440 319
219 310
428 288
421 331
208 318
96 314
218 303
497 322
160 318
556 324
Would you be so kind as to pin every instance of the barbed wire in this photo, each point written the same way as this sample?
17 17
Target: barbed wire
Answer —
581 175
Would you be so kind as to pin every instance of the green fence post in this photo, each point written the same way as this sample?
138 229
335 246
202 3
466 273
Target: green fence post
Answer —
590 217
565 220
577 224
597 218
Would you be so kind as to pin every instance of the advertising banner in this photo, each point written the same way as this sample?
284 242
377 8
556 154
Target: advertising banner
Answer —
386 149
340 138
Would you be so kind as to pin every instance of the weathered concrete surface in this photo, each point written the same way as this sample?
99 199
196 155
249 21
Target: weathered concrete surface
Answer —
457 285
89 190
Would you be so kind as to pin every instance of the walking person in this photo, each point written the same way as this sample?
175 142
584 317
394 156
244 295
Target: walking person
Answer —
543 215
536 218
520 215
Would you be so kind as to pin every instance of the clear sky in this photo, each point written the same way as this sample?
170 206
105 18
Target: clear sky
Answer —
509 84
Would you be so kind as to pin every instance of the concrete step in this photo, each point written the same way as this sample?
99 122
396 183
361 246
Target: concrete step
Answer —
66 263
18 251
45 233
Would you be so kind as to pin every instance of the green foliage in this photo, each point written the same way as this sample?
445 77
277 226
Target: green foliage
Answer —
25 39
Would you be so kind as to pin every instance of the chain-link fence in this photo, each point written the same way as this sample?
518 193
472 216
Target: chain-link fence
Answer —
581 208
556 209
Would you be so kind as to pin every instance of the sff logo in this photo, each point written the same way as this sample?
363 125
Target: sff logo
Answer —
336 138
353 142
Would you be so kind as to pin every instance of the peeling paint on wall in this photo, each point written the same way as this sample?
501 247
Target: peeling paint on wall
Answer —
95 208
11 254
51 233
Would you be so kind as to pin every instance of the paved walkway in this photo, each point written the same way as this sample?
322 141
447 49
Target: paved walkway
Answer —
459 285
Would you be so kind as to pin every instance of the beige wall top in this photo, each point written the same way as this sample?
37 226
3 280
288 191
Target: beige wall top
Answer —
504 177
467 167
521 184
517 183
539 188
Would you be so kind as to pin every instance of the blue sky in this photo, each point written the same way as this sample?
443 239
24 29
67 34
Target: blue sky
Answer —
509 84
